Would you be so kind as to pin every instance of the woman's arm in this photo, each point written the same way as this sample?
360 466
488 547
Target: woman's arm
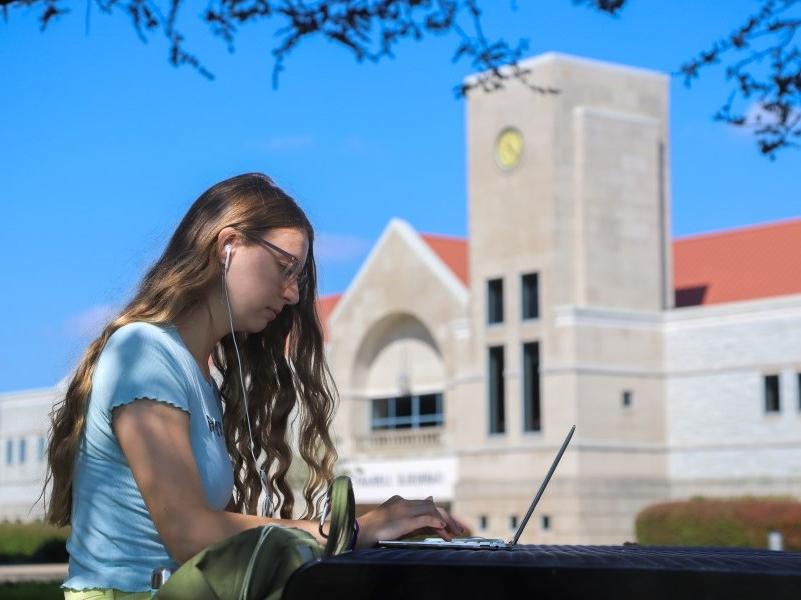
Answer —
155 440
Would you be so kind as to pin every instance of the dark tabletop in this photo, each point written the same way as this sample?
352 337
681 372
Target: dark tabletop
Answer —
540 571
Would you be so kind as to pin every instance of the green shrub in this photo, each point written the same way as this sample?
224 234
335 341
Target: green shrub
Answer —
53 550
32 543
742 522
31 591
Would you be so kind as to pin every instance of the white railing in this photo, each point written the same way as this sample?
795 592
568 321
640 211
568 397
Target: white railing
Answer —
400 438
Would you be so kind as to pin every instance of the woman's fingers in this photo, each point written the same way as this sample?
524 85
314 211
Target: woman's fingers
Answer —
465 529
399 517
424 521
453 525
427 507
413 526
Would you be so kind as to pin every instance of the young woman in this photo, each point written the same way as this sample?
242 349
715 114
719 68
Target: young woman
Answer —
150 462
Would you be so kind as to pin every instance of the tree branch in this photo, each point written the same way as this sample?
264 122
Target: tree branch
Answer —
369 29
767 80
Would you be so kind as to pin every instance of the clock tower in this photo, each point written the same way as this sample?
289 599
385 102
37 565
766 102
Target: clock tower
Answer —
568 204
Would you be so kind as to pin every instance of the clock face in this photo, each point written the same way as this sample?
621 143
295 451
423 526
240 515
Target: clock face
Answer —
509 148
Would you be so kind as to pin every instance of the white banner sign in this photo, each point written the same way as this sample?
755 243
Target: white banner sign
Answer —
376 481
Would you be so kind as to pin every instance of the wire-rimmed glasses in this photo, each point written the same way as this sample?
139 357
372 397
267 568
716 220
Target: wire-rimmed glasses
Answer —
292 270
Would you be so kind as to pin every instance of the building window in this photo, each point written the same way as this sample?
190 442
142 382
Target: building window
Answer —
407 412
545 520
9 452
798 378
482 522
495 301
430 410
772 401
628 398
497 398
403 412
41 449
22 450
513 522
529 301
531 387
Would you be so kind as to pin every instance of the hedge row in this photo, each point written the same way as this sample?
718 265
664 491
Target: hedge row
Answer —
743 522
32 543
31 591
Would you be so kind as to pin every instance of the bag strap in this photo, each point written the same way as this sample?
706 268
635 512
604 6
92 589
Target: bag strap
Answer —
343 516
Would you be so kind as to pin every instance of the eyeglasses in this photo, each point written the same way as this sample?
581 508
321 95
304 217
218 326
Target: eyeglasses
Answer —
292 270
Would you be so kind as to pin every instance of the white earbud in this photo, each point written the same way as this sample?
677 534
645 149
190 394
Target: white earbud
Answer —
228 249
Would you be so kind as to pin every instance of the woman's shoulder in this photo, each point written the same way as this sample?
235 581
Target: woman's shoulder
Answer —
140 360
140 332
143 341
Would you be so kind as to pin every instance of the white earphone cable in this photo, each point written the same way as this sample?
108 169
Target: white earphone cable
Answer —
262 474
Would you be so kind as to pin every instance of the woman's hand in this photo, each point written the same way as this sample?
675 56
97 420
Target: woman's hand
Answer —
398 517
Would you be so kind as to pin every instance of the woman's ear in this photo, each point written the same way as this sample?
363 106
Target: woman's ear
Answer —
226 246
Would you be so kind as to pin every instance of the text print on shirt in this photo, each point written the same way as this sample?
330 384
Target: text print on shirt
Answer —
214 426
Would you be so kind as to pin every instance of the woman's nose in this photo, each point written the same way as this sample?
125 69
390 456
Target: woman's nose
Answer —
291 292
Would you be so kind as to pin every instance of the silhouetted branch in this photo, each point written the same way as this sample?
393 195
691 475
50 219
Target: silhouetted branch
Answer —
766 74
370 29
767 79
611 7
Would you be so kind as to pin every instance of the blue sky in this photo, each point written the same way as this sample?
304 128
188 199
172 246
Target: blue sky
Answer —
104 146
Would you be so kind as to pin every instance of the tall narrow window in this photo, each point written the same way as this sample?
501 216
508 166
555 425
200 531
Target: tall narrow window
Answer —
9 452
22 450
41 449
772 400
531 387
798 378
529 301
496 390
495 301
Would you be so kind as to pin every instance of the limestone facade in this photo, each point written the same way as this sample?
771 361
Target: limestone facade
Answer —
667 402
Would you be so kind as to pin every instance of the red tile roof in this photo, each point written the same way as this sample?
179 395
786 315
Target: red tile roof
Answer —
325 305
740 264
453 251
712 268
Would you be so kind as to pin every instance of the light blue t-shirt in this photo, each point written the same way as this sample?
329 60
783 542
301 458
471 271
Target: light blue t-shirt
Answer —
114 543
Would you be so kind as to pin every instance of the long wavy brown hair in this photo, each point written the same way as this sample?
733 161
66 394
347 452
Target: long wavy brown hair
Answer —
284 366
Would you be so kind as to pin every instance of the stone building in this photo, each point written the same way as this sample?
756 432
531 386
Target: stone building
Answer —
462 363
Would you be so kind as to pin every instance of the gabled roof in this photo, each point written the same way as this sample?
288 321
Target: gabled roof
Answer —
453 251
740 264
712 268
445 256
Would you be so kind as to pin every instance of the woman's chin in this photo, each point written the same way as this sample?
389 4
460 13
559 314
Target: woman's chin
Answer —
261 323
257 322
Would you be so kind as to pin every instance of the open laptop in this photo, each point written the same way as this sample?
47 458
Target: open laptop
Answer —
479 543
